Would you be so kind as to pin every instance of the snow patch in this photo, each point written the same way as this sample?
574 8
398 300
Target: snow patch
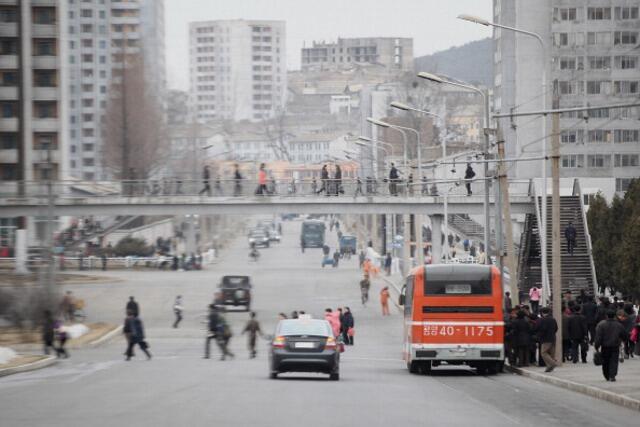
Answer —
6 354
76 331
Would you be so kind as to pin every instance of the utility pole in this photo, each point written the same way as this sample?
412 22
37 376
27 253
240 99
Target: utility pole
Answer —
487 202
556 263
49 278
506 213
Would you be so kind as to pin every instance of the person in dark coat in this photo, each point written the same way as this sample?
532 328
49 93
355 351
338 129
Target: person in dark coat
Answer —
521 330
133 307
348 324
547 329
590 311
134 332
578 334
609 335
253 329
48 333
337 181
570 234
205 182
566 341
212 327
468 175
237 181
324 178
394 177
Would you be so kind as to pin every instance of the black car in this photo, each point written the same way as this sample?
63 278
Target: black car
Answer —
259 237
304 345
235 291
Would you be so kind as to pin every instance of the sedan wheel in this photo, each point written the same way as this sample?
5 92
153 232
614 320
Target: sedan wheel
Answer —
273 375
334 376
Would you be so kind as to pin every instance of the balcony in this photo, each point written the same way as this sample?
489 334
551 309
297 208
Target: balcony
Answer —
45 93
44 2
9 125
42 156
44 30
8 61
45 62
9 156
8 93
8 29
45 125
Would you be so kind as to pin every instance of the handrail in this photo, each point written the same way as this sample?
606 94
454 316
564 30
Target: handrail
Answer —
577 187
546 292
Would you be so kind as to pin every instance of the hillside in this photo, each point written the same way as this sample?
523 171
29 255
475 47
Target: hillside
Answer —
472 62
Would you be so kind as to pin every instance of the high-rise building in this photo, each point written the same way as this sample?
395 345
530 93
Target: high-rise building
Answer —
237 69
33 103
393 53
591 59
100 35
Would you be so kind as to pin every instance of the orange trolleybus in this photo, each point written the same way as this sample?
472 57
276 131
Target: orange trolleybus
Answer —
453 314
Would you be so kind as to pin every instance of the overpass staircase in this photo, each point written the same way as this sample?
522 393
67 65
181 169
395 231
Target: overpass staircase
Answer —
578 270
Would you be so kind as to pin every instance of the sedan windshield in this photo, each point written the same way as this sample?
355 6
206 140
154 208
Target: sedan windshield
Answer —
294 327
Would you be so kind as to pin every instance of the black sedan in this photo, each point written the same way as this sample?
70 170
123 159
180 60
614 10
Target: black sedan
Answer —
304 345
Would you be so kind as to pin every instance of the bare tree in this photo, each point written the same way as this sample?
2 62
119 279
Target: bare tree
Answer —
134 128
275 131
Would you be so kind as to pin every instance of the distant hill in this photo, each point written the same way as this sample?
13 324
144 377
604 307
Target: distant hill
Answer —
472 62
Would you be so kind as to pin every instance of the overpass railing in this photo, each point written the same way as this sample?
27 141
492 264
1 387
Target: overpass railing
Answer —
218 188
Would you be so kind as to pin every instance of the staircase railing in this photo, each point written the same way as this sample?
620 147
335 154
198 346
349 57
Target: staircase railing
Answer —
577 191
544 270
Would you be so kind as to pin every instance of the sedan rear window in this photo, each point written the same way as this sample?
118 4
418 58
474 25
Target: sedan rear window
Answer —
304 327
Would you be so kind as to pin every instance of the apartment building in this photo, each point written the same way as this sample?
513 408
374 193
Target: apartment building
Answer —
591 59
392 53
238 69
33 101
101 34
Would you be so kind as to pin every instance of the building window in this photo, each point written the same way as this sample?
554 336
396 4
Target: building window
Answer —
572 161
625 37
8 141
8 14
8 78
566 14
626 160
598 87
602 38
600 135
44 15
45 78
626 135
626 62
598 13
8 46
45 141
571 136
598 161
624 87
622 184
9 109
629 12
45 109
599 62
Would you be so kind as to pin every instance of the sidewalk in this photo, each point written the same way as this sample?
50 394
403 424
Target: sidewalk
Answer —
587 378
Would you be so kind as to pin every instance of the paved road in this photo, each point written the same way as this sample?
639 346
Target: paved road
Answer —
96 387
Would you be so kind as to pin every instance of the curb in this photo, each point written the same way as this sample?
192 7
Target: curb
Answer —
598 393
39 364
106 337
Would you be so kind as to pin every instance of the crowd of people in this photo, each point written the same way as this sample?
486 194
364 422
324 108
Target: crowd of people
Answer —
611 327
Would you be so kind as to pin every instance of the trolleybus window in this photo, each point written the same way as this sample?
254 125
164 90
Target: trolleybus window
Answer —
458 285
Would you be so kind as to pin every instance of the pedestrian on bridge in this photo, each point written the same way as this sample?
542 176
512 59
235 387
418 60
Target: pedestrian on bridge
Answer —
237 181
534 298
469 174
253 329
394 177
205 182
262 181
324 178
337 181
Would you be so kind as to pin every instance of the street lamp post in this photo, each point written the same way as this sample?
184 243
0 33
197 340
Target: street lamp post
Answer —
487 145
540 40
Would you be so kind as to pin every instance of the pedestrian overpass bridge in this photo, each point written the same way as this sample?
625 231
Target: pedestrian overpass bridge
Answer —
105 198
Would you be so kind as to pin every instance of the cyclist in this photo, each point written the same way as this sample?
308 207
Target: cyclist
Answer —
365 284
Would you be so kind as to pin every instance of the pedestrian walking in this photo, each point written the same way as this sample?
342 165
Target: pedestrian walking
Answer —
387 264
333 317
348 326
61 335
590 311
629 323
48 331
337 181
394 177
358 188
324 179
384 301
223 335
410 185
424 188
578 334
253 329
237 181
134 332
507 302
570 235
212 328
534 299
103 258
547 329
609 335
217 185
365 284
177 310
205 181
262 181
469 174
133 306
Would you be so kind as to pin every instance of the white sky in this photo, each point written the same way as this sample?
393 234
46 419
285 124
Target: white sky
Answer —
431 23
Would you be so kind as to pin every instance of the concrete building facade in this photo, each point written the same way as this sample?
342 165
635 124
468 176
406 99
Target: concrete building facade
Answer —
393 53
591 59
100 35
33 98
237 70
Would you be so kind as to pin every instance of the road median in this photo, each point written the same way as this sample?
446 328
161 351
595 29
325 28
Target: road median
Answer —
25 363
